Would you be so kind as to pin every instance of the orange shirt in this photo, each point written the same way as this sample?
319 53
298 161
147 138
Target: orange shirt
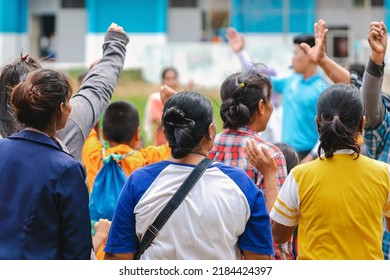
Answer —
92 156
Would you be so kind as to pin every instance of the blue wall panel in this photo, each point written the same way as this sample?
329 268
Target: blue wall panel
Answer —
148 16
267 15
302 16
13 16
387 13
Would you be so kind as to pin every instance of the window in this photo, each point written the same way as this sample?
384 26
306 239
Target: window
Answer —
377 3
373 3
183 3
73 3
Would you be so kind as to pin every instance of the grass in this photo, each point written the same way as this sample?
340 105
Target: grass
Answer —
131 87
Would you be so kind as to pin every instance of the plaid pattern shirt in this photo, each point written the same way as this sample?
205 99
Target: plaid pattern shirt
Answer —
377 142
229 149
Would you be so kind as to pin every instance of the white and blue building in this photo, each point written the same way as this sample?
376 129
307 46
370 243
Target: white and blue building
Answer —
188 34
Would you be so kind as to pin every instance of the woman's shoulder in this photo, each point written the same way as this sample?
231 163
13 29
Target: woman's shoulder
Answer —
231 171
272 148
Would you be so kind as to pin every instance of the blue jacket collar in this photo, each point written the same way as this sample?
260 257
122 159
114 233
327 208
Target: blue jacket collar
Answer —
37 138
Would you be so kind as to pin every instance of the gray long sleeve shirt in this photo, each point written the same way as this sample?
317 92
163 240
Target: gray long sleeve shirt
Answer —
371 93
95 93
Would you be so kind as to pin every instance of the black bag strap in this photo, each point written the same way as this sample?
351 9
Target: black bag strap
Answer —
171 206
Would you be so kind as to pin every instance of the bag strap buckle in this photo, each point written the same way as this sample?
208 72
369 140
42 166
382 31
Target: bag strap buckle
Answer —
153 230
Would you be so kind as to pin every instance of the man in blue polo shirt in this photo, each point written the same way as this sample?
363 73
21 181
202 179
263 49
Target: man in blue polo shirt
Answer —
300 93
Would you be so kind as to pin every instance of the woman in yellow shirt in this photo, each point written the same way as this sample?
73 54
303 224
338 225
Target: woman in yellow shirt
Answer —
339 199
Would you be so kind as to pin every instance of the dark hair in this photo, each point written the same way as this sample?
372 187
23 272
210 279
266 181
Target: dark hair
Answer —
305 38
290 154
10 77
120 122
186 119
357 68
240 94
339 111
38 96
166 70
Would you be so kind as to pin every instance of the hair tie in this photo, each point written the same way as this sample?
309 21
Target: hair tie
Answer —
188 123
25 58
242 85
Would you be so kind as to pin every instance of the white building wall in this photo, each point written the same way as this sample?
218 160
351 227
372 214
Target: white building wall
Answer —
71 25
184 24
208 64
136 55
357 19
43 6
71 30
11 46
336 12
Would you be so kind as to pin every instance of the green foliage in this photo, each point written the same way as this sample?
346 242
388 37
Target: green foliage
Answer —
131 75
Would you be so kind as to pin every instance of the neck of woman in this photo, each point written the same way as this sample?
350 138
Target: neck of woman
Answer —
193 157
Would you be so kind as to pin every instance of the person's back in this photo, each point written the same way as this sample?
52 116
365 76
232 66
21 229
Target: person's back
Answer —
245 110
340 192
341 202
299 101
214 213
29 223
241 96
222 217
43 196
121 133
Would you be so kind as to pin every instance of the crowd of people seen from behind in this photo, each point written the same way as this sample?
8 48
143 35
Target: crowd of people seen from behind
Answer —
300 169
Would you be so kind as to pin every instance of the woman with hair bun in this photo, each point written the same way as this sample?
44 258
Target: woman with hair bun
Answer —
339 199
245 111
223 216
43 195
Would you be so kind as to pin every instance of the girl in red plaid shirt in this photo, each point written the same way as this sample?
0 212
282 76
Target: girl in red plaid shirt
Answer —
245 110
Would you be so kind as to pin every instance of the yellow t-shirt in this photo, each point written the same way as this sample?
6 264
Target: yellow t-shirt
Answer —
339 205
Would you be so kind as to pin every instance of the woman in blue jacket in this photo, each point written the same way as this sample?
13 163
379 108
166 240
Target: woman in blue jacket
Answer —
43 197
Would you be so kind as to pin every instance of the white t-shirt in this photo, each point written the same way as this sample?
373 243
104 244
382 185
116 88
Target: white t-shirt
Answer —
223 213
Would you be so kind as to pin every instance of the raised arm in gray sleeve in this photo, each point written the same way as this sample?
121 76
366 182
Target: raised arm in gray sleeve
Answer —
371 91
95 93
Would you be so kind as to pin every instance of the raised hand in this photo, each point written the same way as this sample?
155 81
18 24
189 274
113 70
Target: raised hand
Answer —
235 40
266 165
116 27
377 38
165 93
261 159
317 52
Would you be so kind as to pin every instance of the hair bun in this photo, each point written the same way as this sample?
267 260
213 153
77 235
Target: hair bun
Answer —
176 118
